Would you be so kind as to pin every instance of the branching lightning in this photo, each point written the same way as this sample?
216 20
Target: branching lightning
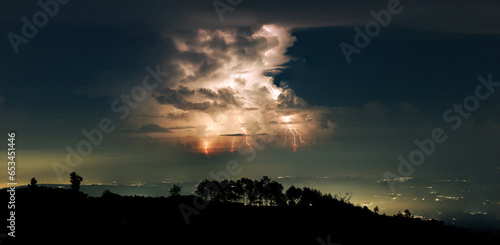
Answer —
207 111
294 134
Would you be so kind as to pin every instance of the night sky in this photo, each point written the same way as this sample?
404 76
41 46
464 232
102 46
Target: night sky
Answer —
262 83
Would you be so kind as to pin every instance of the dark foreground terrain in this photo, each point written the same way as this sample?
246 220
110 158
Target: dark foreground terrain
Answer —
59 216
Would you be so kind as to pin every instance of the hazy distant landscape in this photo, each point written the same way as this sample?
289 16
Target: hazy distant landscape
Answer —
245 210
456 202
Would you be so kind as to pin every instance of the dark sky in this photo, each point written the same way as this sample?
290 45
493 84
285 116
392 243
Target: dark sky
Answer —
363 114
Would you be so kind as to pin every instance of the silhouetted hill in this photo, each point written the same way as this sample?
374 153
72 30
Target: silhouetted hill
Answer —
60 216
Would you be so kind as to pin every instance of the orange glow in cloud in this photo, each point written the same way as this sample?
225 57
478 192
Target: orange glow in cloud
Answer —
220 94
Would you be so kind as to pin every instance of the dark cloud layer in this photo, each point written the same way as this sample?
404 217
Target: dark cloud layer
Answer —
153 128
221 99
442 16
288 99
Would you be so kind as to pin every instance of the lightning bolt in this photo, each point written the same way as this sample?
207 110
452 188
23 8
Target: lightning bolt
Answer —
234 137
232 144
286 132
294 134
300 136
246 134
294 140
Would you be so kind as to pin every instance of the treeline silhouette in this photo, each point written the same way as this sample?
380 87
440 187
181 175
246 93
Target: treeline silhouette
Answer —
242 211
263 192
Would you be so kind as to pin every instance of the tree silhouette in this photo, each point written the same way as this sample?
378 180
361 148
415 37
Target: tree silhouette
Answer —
223 194
33 183
107 194
275 194
345 198
293 195
263 192
175 191
376 210
202 190
208 190
235 191
309 196
249 190
75 180
259 192
408 214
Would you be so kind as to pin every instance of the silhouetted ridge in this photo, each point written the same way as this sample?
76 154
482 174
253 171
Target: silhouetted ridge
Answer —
241 211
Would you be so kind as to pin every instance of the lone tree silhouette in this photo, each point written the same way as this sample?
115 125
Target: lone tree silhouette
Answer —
33 183
175 191
408 214
75 180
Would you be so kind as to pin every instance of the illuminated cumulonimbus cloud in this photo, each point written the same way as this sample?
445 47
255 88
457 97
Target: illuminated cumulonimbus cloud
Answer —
220 94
